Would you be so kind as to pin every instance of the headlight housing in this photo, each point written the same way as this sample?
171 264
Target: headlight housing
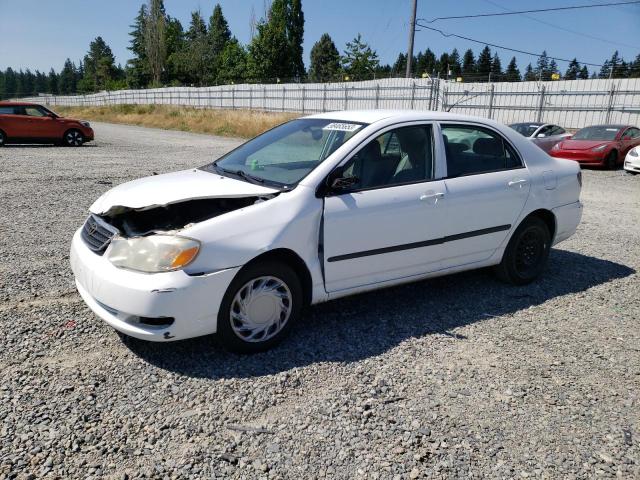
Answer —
633 152
84 123
599 148
153 254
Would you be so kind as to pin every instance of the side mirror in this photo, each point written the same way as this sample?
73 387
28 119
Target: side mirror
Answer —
51 115
336 181
541 135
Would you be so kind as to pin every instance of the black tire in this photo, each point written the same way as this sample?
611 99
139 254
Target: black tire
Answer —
3 138
526 254
73 138
611 162
227 336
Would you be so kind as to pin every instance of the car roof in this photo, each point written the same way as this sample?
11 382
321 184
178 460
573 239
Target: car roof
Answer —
373 116
609 126
6 103
532 124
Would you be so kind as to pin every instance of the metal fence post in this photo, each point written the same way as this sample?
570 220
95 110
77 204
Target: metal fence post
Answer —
413 94
324 97
377 95
250 98
233 97
264 98
283 97
612 94
491 92
303 98
346 97
445 103
541 103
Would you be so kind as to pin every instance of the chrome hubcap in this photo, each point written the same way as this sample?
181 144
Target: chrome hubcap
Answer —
260 309
74 138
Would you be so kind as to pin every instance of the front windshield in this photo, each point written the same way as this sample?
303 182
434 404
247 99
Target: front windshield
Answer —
597 133
525 129
287 153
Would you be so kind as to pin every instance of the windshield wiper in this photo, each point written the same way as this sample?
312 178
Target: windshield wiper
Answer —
240 173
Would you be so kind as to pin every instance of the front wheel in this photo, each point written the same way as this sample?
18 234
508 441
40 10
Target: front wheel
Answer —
259 307
526 254
611 161
73 138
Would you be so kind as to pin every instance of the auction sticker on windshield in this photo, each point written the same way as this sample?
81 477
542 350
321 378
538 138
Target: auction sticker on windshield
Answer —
343 127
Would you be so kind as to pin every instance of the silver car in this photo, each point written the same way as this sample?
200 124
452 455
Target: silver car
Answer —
545 135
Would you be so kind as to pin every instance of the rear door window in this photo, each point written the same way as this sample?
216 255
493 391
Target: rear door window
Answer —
7 111
34 111
473 150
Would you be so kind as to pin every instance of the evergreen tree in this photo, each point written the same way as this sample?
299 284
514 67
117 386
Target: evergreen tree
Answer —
530 74
276 50
232 64
10 83
138 66
99 67
400 65
483 65
426 63
269 57
605 70
573 70
2 85
52 82
155 25
219 33
41 83
325 60
496 68
584 73
468 63
359 60
67 80
295 36
634 67
443 65
553 68
454 63
542 67
175 46
512 74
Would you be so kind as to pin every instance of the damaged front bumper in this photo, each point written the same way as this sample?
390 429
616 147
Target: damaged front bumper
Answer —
158 307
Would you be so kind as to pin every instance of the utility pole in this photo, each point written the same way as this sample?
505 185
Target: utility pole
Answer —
412 34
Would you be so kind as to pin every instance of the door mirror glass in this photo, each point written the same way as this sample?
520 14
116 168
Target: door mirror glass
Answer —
541 135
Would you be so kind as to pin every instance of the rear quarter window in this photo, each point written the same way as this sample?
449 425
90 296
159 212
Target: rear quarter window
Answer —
7 110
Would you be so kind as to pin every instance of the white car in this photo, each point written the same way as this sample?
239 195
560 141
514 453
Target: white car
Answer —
632 161
545 135
316 209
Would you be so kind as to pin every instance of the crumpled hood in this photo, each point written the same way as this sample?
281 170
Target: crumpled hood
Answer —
160 190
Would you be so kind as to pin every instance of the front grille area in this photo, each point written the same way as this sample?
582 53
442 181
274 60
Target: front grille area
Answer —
97 234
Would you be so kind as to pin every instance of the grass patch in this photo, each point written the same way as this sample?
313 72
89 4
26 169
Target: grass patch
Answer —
229 123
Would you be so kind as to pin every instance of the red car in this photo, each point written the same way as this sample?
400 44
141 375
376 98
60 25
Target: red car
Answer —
599 145
31 123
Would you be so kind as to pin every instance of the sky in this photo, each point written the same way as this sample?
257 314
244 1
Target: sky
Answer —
41 34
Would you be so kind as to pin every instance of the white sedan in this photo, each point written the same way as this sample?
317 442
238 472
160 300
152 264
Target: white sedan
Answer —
316 209
632 161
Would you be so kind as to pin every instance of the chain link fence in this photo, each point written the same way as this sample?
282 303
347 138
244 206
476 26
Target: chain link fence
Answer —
569 103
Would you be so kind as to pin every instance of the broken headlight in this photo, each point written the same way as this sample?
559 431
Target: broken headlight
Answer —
153 254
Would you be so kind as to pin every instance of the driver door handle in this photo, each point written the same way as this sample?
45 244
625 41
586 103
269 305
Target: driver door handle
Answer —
518 183
429 196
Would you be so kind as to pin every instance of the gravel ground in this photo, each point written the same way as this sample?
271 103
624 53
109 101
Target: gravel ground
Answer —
454 377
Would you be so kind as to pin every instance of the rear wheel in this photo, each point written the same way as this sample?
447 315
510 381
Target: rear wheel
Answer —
259 307
612 160
73 138
526 254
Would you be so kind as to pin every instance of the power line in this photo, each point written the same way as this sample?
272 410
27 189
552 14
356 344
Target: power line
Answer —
502 47
553 25
499 14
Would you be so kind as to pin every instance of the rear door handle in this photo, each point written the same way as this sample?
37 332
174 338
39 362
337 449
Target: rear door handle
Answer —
518 183
429 196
